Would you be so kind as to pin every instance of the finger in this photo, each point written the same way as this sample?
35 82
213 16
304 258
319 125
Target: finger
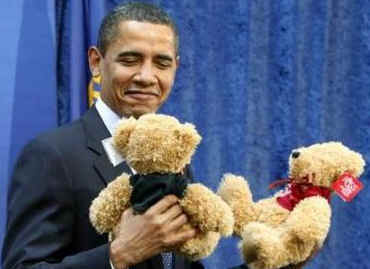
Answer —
162 205
128 213
172 213
177 223
180 237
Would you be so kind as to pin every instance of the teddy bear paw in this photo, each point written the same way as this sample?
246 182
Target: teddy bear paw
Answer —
200 246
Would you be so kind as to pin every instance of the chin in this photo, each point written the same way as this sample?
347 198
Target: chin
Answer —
136 113
138 109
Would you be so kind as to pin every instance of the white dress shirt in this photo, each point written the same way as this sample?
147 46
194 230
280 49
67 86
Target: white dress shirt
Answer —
109 117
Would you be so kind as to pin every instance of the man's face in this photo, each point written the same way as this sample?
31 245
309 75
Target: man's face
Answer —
138 69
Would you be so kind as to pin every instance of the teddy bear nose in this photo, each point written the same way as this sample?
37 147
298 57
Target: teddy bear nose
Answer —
295 154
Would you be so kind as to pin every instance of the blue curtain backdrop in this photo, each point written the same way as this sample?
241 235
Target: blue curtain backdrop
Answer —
258 78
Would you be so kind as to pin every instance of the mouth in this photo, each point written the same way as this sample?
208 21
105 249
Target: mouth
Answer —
141 95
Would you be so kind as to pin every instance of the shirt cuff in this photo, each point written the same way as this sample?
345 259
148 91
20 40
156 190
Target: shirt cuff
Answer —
111 264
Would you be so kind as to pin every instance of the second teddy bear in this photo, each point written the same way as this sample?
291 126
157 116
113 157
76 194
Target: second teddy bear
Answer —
287 228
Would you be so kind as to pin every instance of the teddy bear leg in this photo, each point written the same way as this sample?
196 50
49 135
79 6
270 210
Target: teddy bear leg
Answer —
235 191
200 246
262 247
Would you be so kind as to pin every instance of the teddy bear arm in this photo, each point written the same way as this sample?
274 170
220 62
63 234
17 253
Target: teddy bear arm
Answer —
297 250
107 208
310 220
206 210
270 212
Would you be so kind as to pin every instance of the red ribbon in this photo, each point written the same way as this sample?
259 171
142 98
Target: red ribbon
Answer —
296 192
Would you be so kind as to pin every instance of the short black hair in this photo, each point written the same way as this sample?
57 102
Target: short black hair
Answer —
134 11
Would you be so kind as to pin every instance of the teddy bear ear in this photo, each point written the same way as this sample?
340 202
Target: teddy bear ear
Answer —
122 134
190 136
358 164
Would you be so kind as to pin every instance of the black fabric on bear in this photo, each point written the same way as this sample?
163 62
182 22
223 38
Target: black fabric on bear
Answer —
149 189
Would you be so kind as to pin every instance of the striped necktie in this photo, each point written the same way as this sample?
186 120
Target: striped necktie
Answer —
167 259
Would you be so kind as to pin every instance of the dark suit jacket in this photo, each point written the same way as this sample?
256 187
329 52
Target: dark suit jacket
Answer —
56 177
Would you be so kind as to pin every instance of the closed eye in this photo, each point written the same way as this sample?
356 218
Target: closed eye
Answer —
164 64
163 61
128 62
129 58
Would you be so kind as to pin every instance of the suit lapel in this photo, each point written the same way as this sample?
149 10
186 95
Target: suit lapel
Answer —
107 171
96 131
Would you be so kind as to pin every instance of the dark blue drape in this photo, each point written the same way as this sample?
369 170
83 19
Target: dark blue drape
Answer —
257 78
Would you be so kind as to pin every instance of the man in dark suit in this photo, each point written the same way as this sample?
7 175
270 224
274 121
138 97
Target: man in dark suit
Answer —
59 173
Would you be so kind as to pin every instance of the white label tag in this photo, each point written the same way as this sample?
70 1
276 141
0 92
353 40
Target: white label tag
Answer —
113 155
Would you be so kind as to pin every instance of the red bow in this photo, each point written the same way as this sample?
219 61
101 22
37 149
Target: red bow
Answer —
296 192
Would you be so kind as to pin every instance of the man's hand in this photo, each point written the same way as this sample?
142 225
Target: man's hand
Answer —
143 236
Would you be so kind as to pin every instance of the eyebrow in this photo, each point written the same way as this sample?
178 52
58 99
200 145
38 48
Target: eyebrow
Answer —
129 53
164 57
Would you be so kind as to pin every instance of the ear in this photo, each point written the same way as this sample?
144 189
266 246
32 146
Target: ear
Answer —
121 136
94 57
190 136
358 163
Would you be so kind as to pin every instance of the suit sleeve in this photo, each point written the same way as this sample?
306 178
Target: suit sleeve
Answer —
41 216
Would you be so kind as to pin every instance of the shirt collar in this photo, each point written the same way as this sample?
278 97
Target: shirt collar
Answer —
109 117
110 120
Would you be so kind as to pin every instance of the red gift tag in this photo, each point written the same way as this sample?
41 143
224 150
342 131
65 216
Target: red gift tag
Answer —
347 186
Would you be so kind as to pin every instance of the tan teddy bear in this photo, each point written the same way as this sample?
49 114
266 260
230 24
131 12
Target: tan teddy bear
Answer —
288 227
158 148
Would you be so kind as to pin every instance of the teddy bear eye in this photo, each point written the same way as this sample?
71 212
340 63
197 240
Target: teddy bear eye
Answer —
295 154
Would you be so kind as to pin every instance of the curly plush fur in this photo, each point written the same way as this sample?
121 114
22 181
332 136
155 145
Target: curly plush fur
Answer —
161 144
272 236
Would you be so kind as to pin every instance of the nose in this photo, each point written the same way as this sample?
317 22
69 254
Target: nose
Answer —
145 76
295 154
